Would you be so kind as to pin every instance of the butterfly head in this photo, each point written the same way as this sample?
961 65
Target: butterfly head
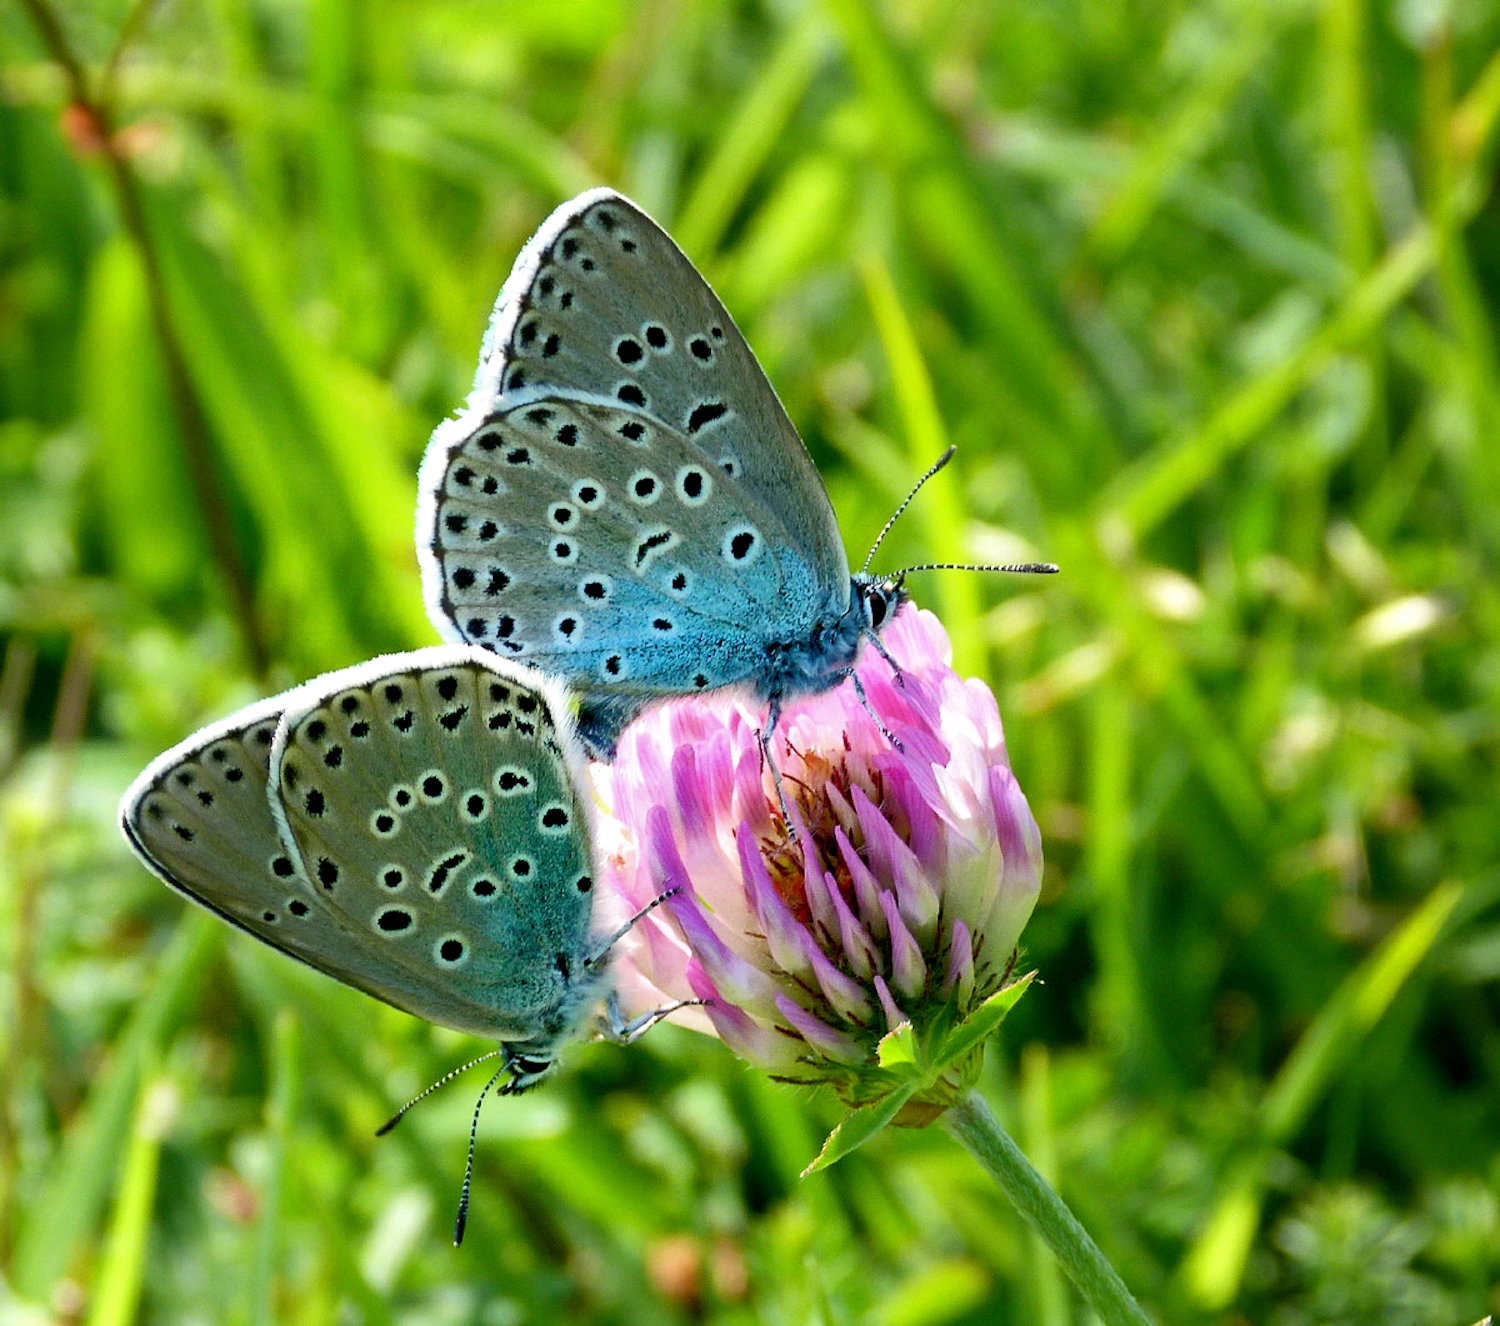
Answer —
529 1063
879 598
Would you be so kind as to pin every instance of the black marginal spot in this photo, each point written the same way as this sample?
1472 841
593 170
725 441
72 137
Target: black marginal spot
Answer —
629 351
333 756
702 350
612 665
205 798
447 687
527 704
555 817
550 346
155 812
282 866
518 456
218 755
498 693
633 431
451 950
316 729
584 884
539 418
498 581
297 907
264 735
607 220
490 486
290 775
456 524
628 245
360 729
403 722
463 476
183 832
679 581
567 435
527 333
463 578
490 442
500 720
569 247
700 681
453 718
392 691
268 917
631 395
587 264
545 286
349 704
234 774
717 333
185 778
517 380
656 337
505 627
488 530
393 878
328 872
704 414
314 802
393 920
566 299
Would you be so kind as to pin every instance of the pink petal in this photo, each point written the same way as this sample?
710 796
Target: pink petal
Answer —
908 969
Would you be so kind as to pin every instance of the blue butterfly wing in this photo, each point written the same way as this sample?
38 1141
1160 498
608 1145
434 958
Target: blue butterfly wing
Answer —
607 333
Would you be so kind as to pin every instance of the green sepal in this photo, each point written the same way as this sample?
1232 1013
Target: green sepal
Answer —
980 1025
862 1124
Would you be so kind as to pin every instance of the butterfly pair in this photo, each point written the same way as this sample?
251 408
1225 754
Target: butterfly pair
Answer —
623 509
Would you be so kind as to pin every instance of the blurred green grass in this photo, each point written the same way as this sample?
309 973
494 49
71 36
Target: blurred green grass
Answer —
1204 292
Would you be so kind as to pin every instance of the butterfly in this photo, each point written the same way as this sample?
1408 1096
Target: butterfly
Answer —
624 502
418 827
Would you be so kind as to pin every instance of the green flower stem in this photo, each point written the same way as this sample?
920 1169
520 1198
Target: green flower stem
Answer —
972 1122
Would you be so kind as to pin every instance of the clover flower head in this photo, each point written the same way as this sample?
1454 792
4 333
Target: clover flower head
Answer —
898 900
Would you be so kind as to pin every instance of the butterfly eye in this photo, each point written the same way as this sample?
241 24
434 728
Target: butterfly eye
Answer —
875 610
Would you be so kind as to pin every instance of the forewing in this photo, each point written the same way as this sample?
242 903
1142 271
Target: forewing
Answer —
200 819
603 309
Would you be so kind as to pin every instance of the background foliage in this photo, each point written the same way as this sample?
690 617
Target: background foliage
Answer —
1205 293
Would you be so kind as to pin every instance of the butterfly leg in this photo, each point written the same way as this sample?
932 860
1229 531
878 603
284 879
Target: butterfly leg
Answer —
864 701
599 953
879 647
768 757
616 1028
